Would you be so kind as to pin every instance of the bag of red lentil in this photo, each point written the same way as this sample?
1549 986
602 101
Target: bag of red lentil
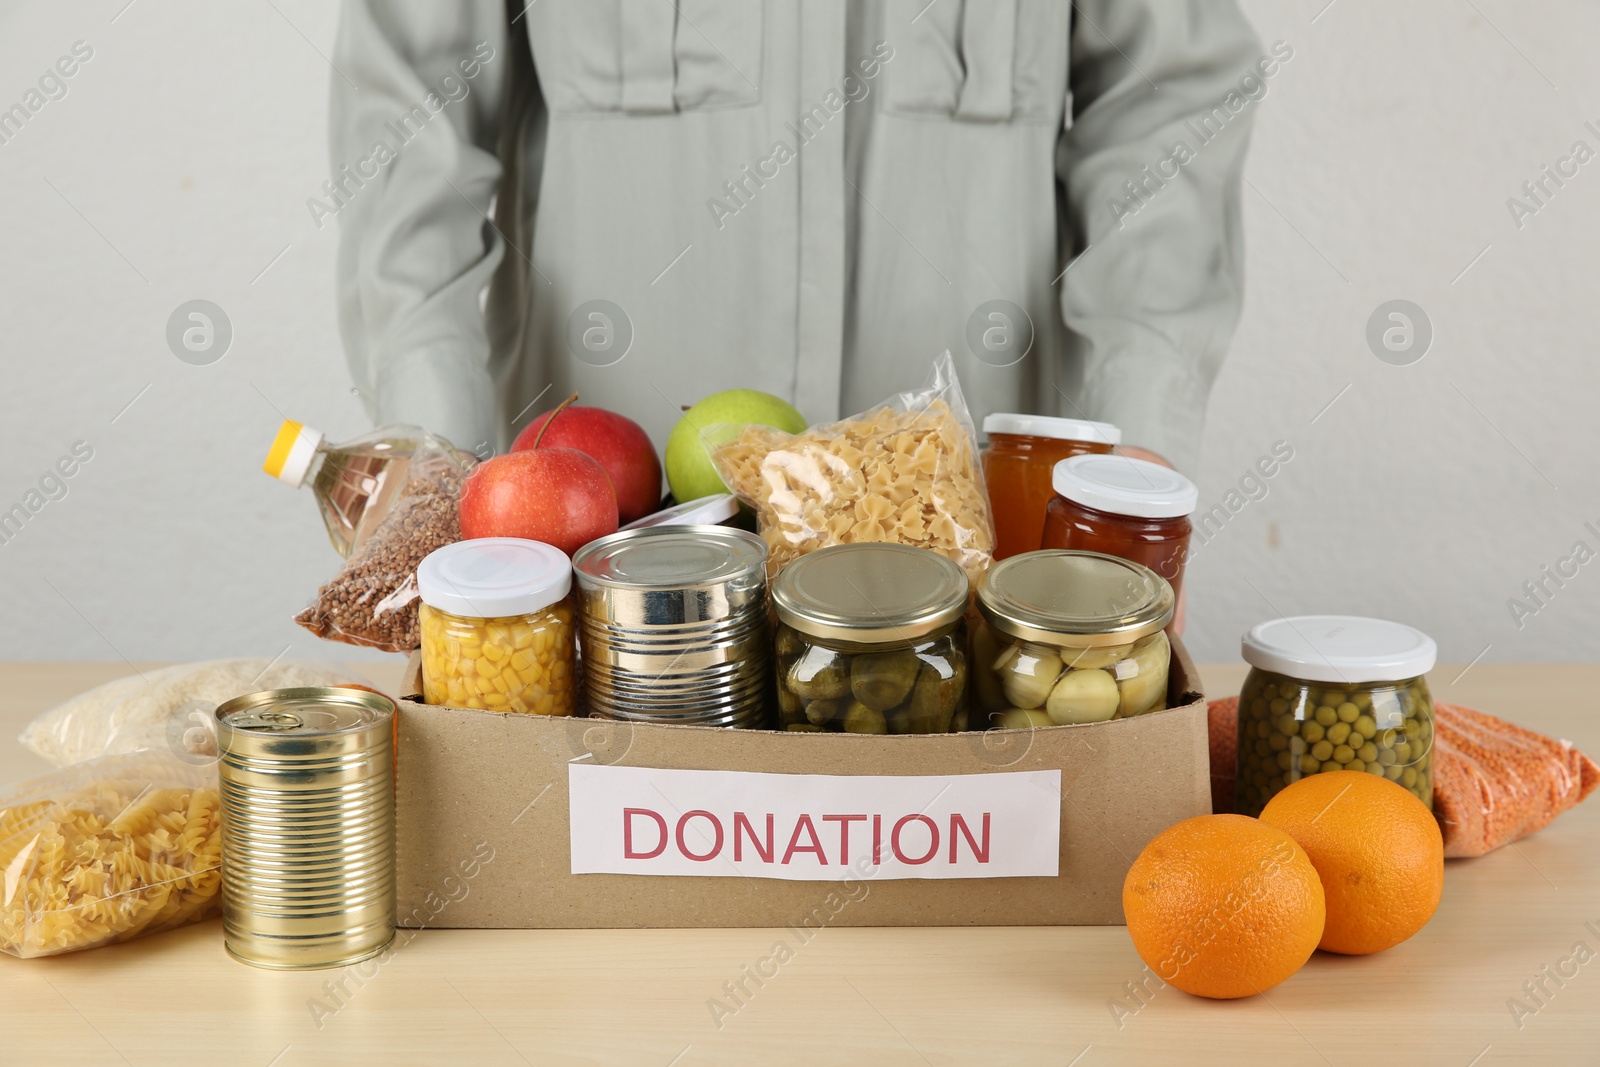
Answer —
1494 782
373 599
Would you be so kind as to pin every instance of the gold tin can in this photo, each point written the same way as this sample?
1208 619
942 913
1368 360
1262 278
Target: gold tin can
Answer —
307 780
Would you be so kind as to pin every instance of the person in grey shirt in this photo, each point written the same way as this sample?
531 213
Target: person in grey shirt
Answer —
647 201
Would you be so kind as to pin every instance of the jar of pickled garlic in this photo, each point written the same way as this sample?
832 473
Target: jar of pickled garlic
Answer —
1334 693
1124 507
1070 637
497 627
1023 451
871 640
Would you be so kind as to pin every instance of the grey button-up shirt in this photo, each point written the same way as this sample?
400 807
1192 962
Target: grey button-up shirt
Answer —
808 197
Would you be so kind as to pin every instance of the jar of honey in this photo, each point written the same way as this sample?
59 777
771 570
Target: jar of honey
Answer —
1124 507
1023 451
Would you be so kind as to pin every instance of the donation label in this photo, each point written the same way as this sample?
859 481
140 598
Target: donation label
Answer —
813 827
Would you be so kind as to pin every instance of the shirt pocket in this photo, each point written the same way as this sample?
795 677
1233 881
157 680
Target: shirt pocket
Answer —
647 56
976 60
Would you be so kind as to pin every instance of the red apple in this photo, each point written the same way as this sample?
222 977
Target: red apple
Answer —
619 444
556 495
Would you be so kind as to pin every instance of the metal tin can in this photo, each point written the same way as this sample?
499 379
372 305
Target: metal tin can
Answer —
674 626
307 779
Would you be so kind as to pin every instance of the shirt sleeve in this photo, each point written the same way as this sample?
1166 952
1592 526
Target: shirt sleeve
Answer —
1163 92
414 119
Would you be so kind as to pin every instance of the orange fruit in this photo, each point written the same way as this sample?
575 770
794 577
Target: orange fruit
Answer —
1378 850
1223 906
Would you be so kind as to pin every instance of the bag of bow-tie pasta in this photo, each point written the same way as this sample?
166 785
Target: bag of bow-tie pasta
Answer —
905 472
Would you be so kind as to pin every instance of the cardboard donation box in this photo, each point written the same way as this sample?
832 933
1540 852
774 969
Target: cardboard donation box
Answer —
513 821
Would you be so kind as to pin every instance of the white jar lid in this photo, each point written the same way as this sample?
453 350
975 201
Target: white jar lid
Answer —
1339 648
706 511
1051 427
491 577
1123 485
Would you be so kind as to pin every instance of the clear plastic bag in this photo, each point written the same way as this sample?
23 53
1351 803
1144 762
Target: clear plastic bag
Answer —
906 472
1494 782
373 599
138 712
106 851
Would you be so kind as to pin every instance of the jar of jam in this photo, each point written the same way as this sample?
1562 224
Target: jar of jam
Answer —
1069 638
1334 693
1023 451
871 640
497 627
1123 507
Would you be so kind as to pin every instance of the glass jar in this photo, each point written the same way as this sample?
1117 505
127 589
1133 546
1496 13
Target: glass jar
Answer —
871 640
1070 637
1023 451
1334 693
1124 507
497 627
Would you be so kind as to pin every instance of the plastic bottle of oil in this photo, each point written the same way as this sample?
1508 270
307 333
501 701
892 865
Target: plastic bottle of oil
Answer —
355 481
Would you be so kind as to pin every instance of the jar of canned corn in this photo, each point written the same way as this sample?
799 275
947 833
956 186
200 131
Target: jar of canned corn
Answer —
497 627
1334 693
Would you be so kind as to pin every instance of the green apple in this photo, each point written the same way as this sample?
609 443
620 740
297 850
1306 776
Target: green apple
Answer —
689 469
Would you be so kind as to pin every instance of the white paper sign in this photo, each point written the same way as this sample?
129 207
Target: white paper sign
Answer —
814 827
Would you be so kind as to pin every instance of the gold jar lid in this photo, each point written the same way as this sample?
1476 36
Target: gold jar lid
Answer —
1081 599
870 593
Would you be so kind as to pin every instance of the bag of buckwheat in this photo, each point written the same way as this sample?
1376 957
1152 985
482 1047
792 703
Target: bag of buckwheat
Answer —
373 600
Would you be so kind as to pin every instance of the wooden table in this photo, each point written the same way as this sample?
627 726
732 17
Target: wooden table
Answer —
894 996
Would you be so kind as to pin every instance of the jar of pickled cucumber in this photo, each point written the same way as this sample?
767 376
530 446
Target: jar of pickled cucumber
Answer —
1334 693
1070 637
497 631
871 640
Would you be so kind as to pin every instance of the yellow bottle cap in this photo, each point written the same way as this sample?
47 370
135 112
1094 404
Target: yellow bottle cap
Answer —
292 451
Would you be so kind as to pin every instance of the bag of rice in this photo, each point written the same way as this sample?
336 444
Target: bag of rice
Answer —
136 712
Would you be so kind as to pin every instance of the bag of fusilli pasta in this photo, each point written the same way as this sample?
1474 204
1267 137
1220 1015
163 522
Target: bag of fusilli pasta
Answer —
106 851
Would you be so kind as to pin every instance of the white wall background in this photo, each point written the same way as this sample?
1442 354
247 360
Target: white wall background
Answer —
178 165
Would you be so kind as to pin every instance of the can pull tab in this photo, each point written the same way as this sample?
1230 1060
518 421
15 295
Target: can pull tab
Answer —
266 720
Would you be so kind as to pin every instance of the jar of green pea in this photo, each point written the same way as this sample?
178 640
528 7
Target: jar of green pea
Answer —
1334 693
